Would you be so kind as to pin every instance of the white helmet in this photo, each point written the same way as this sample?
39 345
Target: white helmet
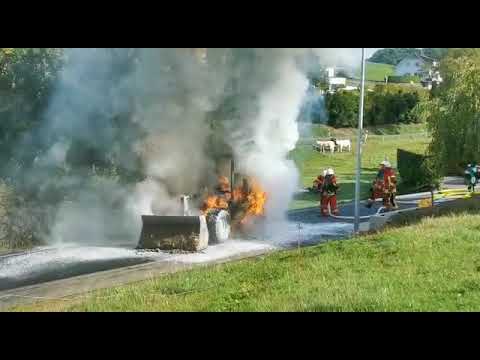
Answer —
324 172
330 172
386 164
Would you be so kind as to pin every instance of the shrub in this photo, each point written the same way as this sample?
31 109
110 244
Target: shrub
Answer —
342 108
406 79
22 224
452 113
416 170
393 104
387 104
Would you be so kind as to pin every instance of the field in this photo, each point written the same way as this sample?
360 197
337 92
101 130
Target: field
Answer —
382 143
376 72
430 266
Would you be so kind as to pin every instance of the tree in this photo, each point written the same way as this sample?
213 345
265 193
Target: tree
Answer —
393 56
27 76
342 108
453 114
435 53
387 104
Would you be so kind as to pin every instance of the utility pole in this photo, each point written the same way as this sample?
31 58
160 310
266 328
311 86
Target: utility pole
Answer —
359 147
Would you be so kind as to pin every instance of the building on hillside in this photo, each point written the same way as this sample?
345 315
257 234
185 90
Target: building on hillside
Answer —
411 66
432 77
422 66
330 72
334 82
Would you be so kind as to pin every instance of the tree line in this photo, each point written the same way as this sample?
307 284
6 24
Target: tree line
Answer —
453 113
386 104
393 56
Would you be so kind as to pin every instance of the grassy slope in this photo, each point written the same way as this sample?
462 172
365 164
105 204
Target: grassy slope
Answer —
377 72
8 248
4 248
431 266
311 163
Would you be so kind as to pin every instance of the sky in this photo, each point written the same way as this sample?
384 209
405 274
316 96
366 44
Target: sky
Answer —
371 51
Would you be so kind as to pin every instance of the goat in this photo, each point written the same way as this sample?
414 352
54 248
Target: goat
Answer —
344 144
322 145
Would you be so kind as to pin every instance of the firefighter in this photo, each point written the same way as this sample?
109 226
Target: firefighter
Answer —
329 193
390 187
318 182
318 185
376 191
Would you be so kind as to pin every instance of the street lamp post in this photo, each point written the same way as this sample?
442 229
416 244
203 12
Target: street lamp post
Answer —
359 147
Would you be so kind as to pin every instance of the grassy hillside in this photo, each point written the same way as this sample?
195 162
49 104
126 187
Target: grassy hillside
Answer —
376 72
382 143
430 266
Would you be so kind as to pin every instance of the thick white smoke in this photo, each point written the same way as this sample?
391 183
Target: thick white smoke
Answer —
168 101
275 135
349 58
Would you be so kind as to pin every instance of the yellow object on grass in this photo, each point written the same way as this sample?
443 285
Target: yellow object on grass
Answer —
450 194
424 203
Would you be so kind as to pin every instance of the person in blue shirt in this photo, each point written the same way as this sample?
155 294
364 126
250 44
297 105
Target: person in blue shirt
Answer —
471 176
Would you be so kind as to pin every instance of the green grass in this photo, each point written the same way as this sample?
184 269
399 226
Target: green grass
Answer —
377 72
311 163
431 266
7 248
4 248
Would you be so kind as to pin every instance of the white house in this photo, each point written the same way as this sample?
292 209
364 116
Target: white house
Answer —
423 66
412 65
334 82
330 72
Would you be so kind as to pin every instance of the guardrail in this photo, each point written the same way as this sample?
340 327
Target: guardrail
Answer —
471 202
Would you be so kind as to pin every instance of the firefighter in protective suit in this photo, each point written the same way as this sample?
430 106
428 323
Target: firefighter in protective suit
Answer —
377 188
329 193
318 182
390 187
318 185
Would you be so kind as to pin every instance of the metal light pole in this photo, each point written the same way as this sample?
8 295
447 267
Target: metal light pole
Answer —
359 147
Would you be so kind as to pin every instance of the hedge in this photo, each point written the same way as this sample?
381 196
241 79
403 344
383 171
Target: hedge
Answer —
342 108
387 104
403 79
416 170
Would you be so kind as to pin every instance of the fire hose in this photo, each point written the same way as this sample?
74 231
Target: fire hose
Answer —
442 194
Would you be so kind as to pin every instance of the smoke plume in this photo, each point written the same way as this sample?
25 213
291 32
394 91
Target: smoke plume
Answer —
154 112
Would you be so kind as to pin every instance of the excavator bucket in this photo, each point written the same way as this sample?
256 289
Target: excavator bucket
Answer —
187 233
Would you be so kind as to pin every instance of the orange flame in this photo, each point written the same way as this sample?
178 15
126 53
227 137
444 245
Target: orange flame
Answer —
213 202
254 198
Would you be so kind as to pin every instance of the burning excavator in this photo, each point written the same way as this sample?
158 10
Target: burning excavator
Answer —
232 206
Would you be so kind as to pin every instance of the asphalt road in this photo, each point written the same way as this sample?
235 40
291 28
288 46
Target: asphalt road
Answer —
347 210
304 227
